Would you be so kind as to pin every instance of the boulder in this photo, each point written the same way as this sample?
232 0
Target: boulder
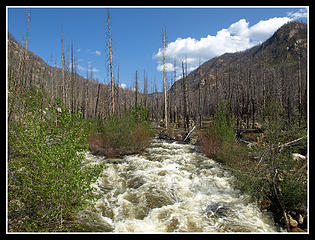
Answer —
115 160
300 219
167 135
297 156
265 204
293 223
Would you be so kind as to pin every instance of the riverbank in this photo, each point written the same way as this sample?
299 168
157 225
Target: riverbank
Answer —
279 195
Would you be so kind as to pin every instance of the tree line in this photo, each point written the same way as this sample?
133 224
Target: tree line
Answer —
248 81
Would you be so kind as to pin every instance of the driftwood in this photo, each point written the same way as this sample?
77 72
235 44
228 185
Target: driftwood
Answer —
281 147
189 133
292 143
249 144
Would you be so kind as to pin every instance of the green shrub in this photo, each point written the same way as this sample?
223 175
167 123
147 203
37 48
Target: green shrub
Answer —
127 134
47 183
218 140
223 125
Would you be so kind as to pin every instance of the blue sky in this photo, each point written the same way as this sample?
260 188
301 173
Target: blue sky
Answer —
196 33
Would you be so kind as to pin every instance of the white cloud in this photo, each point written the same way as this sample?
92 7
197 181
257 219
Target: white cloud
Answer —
301 13
98 53
123 86
168 67
264 29
237 37
84 69
239 28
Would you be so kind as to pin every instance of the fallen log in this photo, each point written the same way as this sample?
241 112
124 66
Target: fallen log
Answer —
288 144
280 147
189 133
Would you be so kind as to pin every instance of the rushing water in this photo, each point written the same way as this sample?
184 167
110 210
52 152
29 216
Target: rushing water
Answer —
171 187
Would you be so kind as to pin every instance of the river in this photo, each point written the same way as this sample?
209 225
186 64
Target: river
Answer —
171 187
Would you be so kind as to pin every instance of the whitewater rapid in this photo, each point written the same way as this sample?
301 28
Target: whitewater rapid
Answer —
171 187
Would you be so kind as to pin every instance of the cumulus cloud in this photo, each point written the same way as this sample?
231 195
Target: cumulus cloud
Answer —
98 53
264 29
237 37
123 86
168 67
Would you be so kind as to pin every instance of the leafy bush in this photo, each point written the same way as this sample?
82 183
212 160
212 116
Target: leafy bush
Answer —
223 126
218 140
47 182
127 134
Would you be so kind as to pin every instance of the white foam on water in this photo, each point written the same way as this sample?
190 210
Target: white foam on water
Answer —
171 187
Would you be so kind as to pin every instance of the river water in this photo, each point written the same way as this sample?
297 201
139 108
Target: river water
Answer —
171 187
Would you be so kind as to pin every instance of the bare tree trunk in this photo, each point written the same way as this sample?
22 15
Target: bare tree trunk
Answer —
145 89
164 79
117 91
200 106
25 52
97 99
300 90
67 82
175 106
72 78
216 88
62 70
111 65
186 118
136 89
264 92
86 103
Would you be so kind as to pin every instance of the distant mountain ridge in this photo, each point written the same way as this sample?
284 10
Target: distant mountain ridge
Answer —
280 47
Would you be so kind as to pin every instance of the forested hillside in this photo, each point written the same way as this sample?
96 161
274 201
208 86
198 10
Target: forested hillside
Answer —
250 80
84 94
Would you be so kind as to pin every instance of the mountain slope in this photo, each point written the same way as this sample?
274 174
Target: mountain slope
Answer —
226 72
88 95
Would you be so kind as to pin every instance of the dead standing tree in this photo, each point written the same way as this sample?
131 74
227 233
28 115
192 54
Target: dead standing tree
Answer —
63 63
24 56
136 89
164 78
186 117
145 89
111 64
175 106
